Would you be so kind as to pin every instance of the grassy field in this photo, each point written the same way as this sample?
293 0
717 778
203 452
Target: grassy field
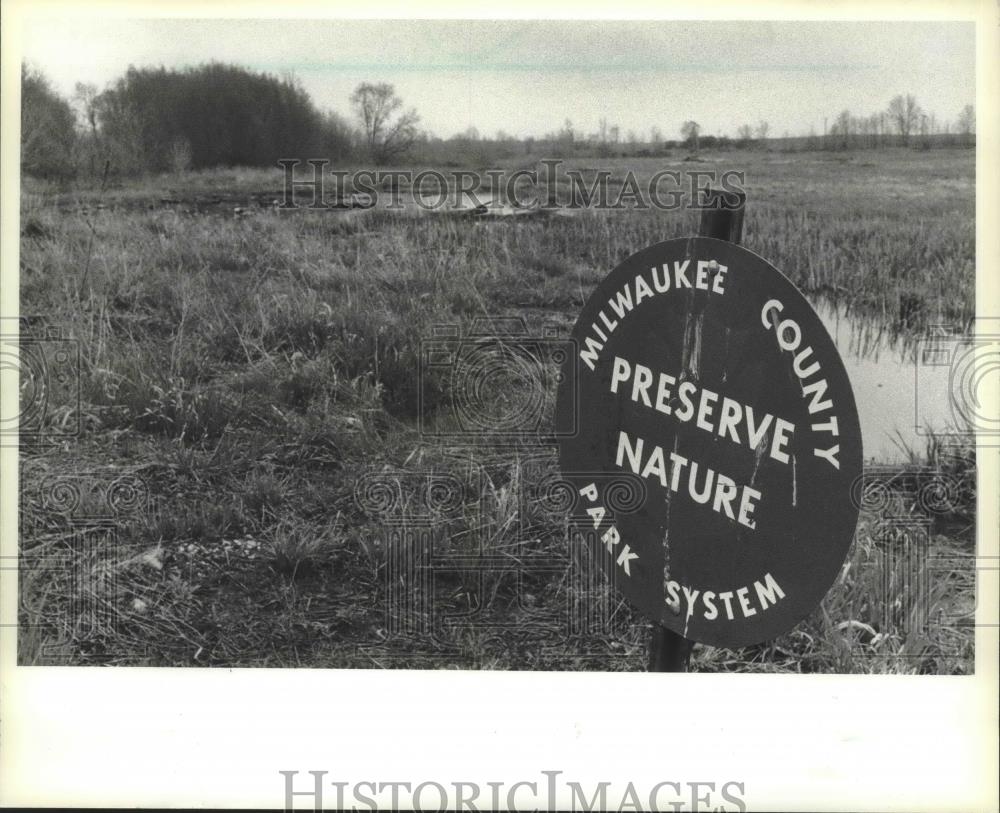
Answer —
248 407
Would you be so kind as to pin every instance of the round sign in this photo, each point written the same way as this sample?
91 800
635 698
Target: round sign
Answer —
705 383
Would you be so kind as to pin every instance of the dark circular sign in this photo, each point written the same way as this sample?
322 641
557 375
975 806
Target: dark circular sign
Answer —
703 375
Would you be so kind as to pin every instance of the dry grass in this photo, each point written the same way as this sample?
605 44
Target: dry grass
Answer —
252 369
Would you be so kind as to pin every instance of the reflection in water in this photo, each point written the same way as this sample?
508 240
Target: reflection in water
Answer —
899 396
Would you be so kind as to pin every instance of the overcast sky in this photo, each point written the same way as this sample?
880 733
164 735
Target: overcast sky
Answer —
528 77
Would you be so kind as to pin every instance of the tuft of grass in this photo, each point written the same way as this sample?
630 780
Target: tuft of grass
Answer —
297 548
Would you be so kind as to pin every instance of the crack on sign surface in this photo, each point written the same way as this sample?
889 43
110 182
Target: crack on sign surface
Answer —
795 483
690 371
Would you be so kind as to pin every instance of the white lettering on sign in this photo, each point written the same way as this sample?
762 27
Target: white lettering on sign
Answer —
704 485
789 336
728 421
743 602
611 538
705 275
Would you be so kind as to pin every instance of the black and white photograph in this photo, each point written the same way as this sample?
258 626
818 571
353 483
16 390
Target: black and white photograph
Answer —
499 345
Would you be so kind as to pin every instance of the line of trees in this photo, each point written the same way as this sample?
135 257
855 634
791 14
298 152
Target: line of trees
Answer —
903 121
213 115
156 120
48 127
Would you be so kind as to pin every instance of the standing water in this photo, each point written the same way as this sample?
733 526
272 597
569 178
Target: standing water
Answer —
899 397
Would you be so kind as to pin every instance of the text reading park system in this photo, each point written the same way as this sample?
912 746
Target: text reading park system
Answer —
705 382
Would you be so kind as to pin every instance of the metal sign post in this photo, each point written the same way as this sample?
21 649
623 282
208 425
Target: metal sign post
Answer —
668 651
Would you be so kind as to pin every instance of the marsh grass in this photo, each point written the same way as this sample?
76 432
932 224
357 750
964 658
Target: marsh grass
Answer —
252 368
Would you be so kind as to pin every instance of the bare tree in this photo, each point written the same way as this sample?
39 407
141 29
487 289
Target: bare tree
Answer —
86 104
763 128
923 122
388 132
655 137
567 135
85 99
842 127
745 134
121 128
872 124
904 113
967 121
690 130
48 132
